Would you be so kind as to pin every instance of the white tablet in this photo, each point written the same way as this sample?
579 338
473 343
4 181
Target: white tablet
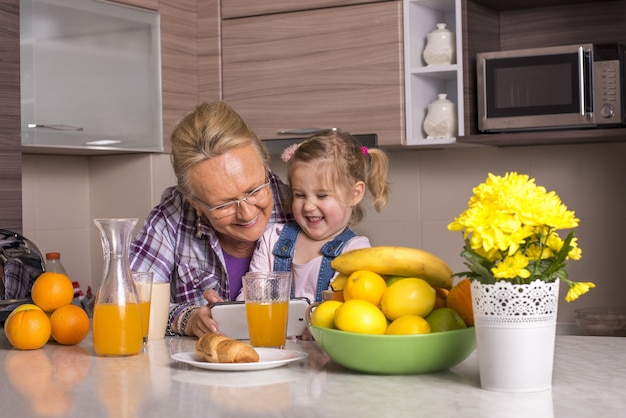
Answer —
232 322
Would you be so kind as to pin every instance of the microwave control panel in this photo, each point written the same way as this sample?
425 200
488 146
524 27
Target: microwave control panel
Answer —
607 90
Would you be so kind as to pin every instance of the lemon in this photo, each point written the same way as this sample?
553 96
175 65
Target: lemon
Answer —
411 296
365 285
408 324
445 319
360 316
324 314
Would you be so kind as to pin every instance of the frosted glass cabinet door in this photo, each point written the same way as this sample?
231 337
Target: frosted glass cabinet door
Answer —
90 76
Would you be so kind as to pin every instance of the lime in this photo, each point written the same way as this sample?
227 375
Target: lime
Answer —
393 279
445 319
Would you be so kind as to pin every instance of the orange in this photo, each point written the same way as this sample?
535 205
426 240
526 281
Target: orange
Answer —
324 314
408 325
70 324
52 290
460 299
28 329
365 285
360 316
440 297
410 296
23 307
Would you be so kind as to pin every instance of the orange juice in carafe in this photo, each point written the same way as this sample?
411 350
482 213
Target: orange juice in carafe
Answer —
108 319
117 325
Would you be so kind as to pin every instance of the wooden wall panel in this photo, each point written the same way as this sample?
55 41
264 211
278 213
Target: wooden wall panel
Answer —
209 62
242 8
179 62
10 140
144 4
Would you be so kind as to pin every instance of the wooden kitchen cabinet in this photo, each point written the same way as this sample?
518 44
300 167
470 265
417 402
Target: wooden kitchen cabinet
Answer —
246 8
334 67
144 4
492 25
10 140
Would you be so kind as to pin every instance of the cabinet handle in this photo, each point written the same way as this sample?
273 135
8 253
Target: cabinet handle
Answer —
58 127
302 131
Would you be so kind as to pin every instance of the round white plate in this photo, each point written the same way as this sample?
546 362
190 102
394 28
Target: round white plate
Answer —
268 359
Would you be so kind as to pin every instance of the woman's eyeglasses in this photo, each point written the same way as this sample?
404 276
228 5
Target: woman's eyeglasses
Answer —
254 197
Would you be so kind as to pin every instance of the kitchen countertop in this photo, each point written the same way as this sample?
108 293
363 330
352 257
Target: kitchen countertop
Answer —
70 381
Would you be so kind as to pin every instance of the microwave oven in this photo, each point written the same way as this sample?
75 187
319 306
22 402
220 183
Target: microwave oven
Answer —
562 87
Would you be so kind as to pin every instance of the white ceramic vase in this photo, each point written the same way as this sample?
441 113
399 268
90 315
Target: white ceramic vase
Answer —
440 48
440 121
515 334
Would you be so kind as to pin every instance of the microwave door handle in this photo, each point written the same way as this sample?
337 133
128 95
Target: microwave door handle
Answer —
581 79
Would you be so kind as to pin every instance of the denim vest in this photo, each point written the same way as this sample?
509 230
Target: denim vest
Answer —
284 248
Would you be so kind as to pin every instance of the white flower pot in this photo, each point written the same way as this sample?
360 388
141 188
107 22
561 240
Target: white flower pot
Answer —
515 334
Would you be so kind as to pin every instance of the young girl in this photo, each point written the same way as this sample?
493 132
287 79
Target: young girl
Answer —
328 175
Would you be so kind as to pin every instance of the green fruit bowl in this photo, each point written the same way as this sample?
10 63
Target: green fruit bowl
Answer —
396 354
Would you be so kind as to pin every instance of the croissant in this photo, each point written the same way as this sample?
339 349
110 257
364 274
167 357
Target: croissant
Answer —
216 348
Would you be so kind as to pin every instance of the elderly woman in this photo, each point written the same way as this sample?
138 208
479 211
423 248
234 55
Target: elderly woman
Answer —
202 234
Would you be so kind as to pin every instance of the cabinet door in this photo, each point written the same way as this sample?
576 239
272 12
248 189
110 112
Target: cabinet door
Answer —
241 8
146 4
10 142
339 67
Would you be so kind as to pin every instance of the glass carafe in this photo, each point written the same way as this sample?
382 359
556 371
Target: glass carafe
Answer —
117 317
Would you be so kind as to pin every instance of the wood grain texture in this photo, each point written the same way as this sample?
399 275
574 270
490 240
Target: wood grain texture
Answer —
506 27
481 32
179 62
144 4
599 21
209 70
241 8
338 67
10 140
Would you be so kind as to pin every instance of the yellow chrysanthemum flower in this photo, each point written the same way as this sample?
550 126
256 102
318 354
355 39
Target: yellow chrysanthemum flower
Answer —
512 267
510 229
577 289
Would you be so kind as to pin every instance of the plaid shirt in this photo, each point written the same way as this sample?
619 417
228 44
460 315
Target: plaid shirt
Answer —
181 248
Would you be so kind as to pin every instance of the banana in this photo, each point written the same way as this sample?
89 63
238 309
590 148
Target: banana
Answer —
398 261
339 282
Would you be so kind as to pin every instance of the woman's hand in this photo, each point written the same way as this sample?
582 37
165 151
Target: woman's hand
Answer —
201 320
211 296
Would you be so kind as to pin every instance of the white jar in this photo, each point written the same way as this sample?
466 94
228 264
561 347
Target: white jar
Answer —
440 47
440 122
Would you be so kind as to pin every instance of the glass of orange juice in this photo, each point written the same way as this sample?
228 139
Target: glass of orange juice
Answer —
266 295
143 285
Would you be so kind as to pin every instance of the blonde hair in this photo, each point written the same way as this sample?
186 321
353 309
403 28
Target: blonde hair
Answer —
348 162
210 130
